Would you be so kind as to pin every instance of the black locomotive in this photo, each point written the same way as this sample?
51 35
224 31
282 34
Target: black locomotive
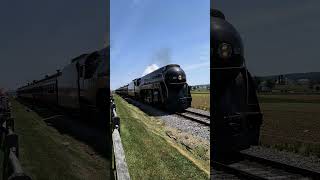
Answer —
235 108
165 87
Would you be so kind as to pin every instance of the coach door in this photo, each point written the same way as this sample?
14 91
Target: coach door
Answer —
90 79
81 70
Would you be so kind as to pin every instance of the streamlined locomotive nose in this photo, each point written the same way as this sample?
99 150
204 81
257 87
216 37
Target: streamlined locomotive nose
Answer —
175 75
227 56
226 45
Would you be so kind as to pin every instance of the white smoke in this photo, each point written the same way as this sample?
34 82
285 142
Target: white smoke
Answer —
150 69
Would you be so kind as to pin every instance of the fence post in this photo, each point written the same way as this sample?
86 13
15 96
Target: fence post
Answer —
5 161
10 123
119 165
116 123
10 144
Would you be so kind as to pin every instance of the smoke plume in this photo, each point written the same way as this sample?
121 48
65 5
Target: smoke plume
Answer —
150 69
162 57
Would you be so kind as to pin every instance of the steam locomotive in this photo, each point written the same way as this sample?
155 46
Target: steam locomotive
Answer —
82 84
235 108
165 87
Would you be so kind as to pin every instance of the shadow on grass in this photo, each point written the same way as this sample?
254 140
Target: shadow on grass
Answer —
90 129
148 109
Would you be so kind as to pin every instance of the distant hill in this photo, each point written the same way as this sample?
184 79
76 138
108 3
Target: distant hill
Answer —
295 76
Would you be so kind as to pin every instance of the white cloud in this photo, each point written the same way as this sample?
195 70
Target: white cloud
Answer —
150 69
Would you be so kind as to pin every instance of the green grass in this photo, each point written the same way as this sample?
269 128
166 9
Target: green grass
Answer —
201 100
291 122
47 154
149 155
200 92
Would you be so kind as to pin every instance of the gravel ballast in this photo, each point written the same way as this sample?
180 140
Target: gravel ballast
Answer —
175 121
289 158
215 174
199 111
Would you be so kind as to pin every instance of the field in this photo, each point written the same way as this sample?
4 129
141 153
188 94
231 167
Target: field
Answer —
151 153
291 122
201 100
50 148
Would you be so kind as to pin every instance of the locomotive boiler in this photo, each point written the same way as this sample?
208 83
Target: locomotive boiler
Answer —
235 108
165 87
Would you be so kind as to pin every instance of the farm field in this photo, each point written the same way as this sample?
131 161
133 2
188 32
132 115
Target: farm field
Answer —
289 98
151 153
291 122
201 100
50 148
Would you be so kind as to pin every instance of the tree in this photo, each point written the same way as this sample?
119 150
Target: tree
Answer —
270 83
257 80
312 83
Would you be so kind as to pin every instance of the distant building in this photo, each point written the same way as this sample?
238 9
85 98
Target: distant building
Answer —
262 87
281 80
303 82
200 87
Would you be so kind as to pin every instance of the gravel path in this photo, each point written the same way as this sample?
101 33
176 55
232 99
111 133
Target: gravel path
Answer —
311 163
175 121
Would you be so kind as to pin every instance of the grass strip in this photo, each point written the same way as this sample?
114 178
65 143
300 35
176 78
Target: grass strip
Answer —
47 154
149 154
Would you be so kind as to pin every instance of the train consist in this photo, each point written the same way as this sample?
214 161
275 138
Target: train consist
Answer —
82 84
165 87
235 108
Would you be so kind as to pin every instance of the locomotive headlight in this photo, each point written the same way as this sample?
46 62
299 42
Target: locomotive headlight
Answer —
225 50
180 77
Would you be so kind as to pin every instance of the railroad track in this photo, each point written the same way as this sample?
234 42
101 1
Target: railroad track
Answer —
189 110
252 167
195 116
188 114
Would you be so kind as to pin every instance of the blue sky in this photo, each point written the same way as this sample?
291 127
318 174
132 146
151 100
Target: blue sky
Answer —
279 36
145 33
38 37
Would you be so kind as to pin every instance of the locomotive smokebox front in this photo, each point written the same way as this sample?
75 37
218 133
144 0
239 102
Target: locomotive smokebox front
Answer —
179 97
174 75
227 56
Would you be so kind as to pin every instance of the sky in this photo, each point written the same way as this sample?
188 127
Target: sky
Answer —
147 34
279 36
38 37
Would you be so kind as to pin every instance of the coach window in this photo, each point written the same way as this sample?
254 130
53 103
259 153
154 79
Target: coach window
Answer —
51 89
91 65
80 70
